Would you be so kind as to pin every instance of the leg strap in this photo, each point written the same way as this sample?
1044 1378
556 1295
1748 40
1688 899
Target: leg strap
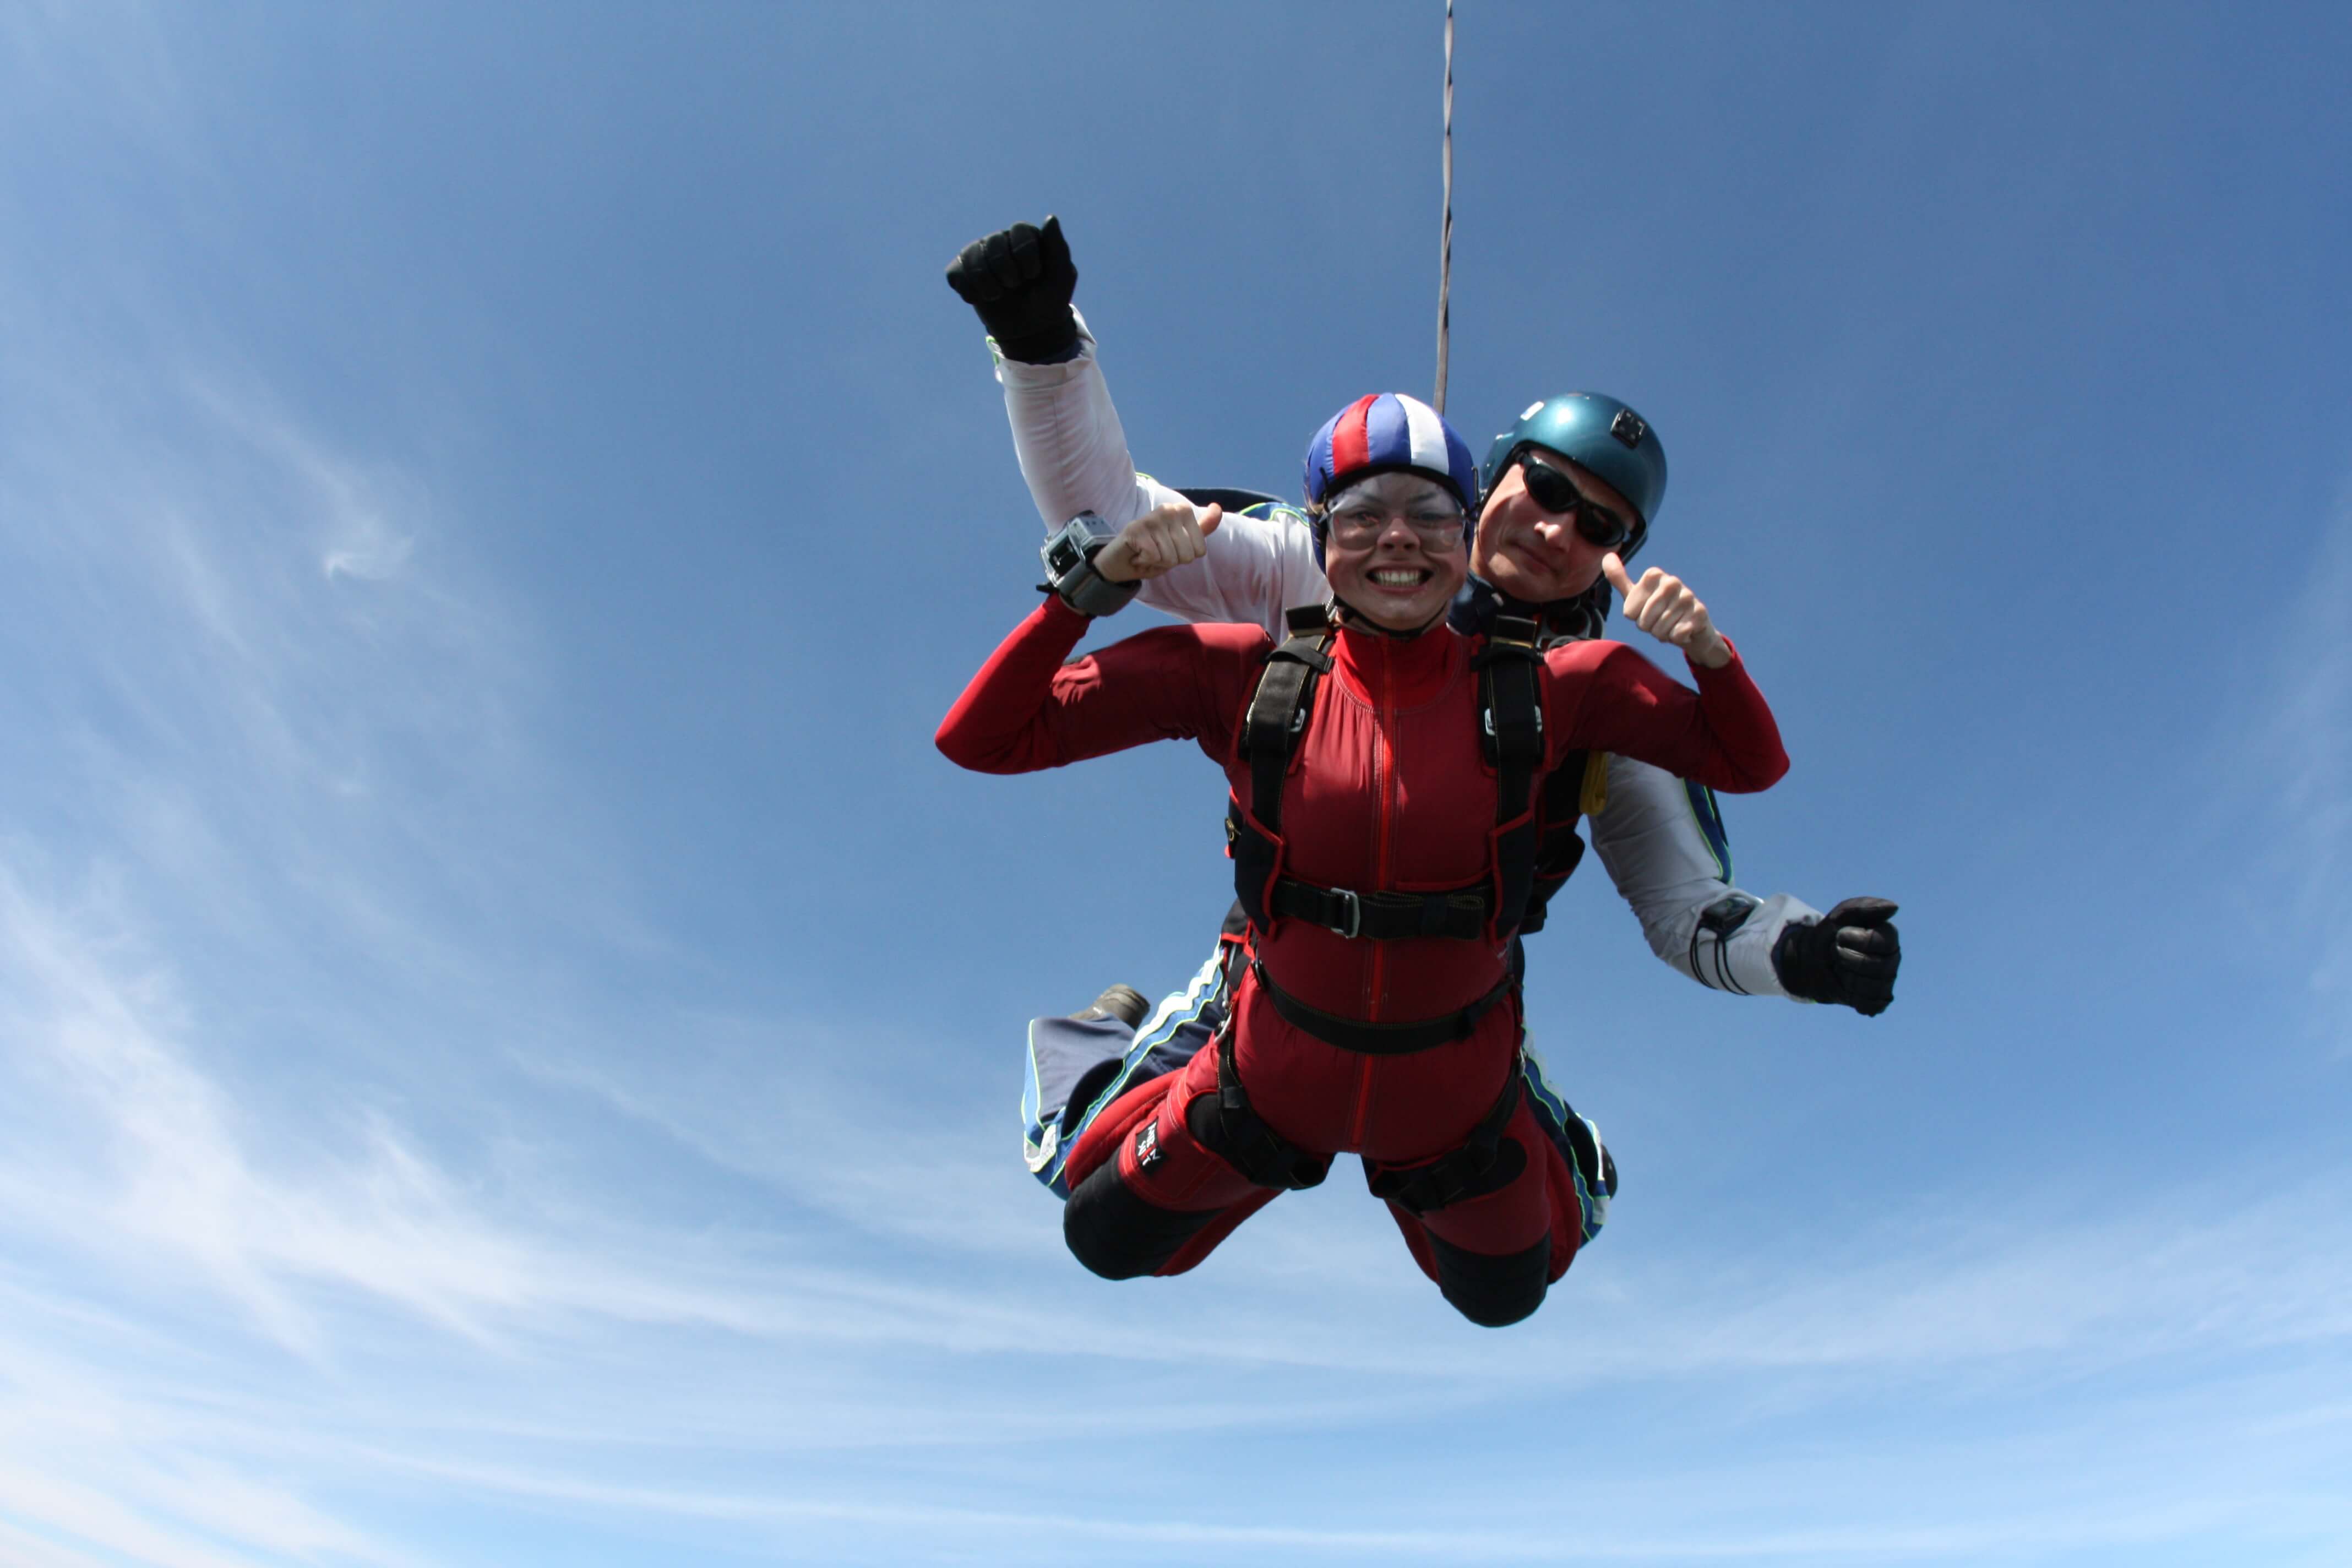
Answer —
1233 1129
1485 1162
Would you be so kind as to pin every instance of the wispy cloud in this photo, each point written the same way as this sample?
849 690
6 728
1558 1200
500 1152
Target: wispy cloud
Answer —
2302 748
723 1346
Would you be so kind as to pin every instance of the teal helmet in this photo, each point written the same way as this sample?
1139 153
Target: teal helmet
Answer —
1598 433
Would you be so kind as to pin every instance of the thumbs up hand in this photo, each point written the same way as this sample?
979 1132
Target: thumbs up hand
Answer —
1664 606
1158 543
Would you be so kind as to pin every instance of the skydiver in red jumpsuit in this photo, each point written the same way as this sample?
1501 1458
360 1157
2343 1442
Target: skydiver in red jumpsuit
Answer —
1399 1048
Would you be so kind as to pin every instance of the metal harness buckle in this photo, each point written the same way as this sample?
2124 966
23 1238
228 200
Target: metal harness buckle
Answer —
1355 908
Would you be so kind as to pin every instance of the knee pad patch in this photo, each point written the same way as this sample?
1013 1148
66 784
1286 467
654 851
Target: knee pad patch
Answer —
1493 1291
1118 1234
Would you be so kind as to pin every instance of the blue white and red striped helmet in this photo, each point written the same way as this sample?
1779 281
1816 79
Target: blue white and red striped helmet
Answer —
1385 432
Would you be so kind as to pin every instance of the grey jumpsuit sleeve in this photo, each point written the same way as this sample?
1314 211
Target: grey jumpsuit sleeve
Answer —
1653 838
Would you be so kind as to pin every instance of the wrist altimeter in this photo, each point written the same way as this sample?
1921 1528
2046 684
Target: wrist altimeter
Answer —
1069 557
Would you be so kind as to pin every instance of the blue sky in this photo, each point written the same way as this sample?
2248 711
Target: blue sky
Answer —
510 1034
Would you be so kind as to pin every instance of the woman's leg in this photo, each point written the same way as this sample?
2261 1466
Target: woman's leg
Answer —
1495 1250
1150 1194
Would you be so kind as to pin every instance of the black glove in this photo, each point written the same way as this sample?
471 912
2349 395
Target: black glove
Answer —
1849 956
1020 280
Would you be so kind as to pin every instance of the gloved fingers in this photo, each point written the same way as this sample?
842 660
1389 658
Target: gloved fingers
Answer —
1004 248
1867 993
1000 262
1861 913
968 273
1054 252
1854 966
1869 941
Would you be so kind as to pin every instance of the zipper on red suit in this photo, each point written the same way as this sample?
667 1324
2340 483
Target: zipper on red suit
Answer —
1384 781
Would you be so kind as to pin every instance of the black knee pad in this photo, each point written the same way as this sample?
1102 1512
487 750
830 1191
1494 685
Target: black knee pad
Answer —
1493 1291
1118 1236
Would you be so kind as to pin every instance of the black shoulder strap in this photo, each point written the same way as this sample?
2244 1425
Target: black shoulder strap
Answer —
1276 718
1561 849
1510 717
1279 708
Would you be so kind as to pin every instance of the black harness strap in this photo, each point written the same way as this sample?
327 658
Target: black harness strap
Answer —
1379 1039
1237 1134
1511 703
1270 731
1510 717
1460 914
1561 850
1486 1161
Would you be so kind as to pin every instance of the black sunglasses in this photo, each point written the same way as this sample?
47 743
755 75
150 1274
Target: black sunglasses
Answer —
1555 492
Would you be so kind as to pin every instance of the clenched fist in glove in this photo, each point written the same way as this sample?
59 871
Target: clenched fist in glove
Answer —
1020 280
1848 956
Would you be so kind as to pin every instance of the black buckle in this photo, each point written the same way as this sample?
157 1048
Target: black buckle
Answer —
1490 723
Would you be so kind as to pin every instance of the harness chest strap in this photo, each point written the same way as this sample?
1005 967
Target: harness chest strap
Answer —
1511 731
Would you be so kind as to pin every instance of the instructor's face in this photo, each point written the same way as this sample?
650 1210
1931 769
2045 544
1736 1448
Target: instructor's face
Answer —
1392 550
1536 557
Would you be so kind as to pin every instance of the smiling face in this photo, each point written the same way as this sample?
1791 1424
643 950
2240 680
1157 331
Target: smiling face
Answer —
1533 555
1392 550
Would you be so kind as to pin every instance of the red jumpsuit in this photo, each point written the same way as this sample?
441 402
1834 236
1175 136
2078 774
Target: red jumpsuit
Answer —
1388 789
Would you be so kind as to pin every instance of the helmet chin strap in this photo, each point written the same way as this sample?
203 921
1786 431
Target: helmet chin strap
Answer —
1575 618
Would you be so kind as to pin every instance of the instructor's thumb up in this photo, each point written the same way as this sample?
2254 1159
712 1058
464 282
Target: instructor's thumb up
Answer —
1614 569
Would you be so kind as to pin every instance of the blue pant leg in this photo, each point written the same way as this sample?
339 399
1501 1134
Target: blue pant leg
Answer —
1077 1066
1577 1138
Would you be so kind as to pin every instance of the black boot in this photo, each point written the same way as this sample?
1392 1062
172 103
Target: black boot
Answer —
1124 1003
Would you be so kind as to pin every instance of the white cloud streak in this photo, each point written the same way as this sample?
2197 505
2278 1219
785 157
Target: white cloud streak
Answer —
2309 747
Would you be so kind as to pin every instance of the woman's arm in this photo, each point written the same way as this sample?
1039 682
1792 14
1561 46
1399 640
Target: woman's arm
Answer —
1026 710
1602 696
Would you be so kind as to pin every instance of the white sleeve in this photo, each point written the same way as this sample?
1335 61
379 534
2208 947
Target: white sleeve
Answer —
1067 434
1656 845
1256 568
1074 455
